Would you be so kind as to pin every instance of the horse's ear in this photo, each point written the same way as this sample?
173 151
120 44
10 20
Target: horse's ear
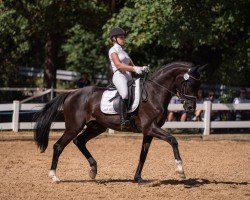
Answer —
193 69
201 68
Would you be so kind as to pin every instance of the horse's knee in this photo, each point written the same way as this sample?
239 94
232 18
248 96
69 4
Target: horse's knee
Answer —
78 140
172 140
57 147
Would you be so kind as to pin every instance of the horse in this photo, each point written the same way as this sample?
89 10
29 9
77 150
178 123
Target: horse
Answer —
81 108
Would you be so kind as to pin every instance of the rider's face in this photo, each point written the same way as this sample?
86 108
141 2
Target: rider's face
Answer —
121 39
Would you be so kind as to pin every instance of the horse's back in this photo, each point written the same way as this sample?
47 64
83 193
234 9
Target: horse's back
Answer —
86 92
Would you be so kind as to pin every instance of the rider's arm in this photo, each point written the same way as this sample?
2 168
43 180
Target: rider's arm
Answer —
119 64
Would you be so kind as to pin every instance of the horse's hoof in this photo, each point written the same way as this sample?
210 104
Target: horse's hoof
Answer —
55 179
140 181
92 172
52 175
181 174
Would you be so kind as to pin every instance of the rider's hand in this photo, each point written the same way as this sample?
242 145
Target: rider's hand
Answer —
138 70
145 69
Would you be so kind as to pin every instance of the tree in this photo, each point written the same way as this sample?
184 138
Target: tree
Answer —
85 49
49 20
52 33
214 32
86 52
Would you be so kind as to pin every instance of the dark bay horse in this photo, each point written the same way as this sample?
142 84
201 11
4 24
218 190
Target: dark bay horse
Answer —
82 107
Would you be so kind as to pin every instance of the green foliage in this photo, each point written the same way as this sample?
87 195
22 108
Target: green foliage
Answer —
85 51
13 46
159 32
143 20
214 32
227 96
24 26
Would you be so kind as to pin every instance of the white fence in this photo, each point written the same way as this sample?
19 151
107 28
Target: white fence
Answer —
207 106
60 74
207 124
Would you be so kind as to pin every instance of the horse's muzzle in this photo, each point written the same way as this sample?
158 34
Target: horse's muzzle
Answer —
189 106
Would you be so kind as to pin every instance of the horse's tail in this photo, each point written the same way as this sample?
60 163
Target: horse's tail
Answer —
44 119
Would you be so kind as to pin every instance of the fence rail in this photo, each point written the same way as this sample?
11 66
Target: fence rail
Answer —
17 107
60 74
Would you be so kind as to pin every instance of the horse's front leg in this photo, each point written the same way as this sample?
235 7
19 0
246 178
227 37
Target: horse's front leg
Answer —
163 135
144 151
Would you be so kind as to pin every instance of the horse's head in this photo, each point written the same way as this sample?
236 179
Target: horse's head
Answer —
187 85
181 79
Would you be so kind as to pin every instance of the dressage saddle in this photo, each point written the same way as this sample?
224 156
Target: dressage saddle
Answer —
116 99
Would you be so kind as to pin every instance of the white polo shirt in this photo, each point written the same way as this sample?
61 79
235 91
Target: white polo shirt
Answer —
238 100
122 55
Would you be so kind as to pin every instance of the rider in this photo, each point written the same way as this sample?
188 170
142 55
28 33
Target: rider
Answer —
122 65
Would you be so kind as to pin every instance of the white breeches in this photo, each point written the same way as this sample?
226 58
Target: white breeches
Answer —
120 80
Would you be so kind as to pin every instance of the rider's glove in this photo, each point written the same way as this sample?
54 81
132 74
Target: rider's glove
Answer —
145 69
138 70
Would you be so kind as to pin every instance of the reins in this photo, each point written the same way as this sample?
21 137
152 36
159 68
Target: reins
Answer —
161 86
179 94
144 91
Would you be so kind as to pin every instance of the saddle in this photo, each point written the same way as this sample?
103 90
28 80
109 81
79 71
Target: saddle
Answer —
111 98
117 97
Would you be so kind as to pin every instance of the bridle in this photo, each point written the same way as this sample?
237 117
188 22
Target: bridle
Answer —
181 94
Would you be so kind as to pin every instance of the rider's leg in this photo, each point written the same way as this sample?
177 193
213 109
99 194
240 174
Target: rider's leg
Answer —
120 81
123 113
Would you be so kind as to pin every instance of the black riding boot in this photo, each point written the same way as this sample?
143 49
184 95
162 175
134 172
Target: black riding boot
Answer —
123 113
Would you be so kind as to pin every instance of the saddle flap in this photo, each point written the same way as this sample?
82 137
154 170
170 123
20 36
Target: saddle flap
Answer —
110 99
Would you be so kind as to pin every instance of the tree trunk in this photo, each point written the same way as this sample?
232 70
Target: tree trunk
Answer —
51 56
112 5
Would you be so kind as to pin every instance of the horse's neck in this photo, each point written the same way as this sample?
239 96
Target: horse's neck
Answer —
166 80
161 90
165 83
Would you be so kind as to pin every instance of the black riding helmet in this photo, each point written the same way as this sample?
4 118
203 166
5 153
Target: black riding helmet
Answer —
116 31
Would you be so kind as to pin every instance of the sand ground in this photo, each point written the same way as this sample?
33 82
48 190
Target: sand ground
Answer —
214 170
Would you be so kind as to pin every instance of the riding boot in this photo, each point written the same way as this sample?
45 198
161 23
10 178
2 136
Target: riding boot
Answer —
123 113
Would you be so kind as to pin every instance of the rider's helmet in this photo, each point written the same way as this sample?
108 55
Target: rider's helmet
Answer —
116 31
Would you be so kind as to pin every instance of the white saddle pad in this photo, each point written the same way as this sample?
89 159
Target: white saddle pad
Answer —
107 107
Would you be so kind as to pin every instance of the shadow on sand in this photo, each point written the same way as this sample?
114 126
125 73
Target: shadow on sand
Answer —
193 182
188 183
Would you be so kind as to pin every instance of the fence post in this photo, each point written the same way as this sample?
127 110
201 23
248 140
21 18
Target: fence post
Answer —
207 116
52 93
15 116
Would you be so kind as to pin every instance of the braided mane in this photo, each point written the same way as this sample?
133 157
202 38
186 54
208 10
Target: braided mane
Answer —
171 66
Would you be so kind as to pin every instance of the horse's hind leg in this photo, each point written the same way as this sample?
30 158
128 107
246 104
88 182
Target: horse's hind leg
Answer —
58 149
93 129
